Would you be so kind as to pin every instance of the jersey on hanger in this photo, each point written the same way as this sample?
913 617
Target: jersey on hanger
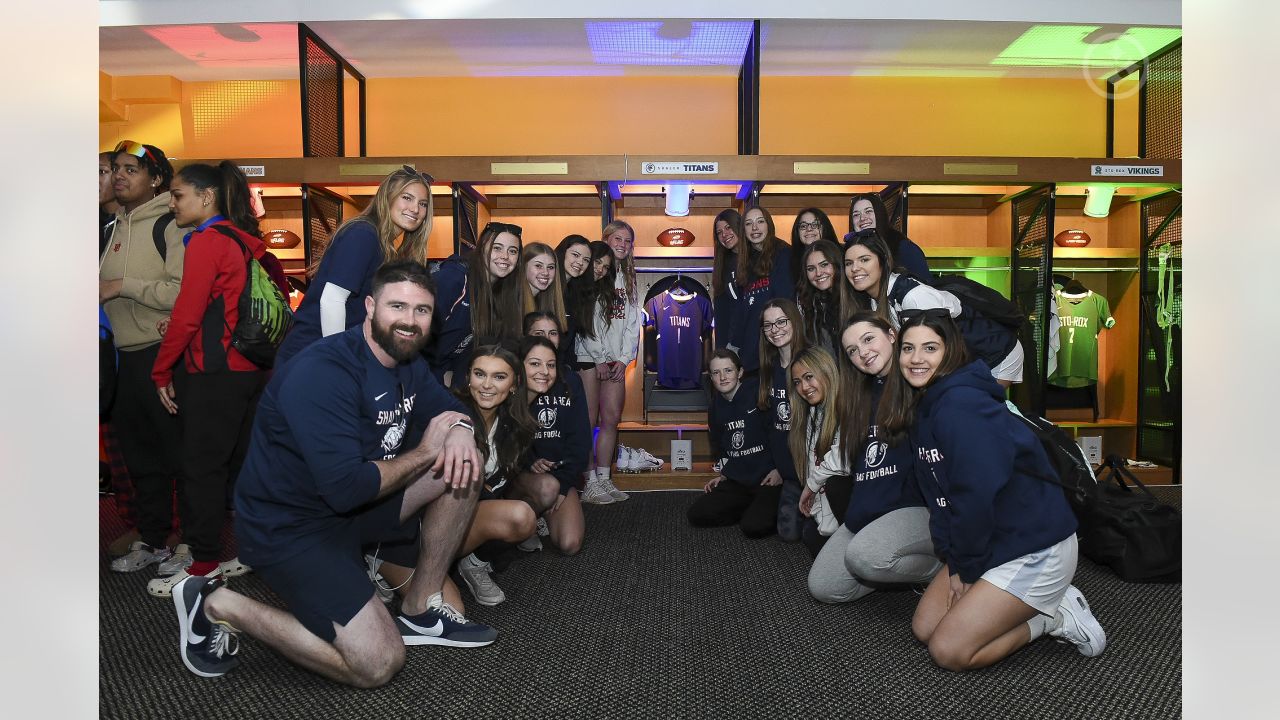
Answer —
681 321
1082 317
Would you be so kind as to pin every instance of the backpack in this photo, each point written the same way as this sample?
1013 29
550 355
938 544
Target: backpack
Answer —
157 234
1134 534
989 322
264 313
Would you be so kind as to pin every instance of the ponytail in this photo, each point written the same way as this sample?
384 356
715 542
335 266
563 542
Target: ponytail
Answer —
233 198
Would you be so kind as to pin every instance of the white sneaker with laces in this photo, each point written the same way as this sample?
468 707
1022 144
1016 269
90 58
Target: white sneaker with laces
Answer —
181 559
624 458
1079 626
596 492
642 459
477 576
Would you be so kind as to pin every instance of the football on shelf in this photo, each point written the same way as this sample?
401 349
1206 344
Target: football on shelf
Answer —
675 237
1071 238
281 239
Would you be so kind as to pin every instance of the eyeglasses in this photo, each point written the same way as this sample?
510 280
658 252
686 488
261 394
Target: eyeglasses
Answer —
805 226
137 150
424 177
779 324
907 317
502 227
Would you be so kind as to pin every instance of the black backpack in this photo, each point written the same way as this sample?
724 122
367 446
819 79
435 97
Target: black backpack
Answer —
989 322
1133 533
264 312
157 234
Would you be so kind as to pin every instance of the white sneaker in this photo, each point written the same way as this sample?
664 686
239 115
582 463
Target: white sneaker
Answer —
642 459
614 492
477 576
533 543
140 555
180 560
597 493
1079 626
624 458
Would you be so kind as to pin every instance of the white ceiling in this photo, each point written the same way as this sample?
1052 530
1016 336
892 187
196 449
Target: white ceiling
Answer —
563 47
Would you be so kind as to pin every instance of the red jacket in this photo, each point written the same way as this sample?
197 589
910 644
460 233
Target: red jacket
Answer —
213 274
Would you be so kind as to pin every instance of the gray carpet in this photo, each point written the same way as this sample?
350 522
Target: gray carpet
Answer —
655 619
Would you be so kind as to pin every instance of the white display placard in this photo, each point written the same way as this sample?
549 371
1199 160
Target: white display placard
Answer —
679 168
1127 171
681 454
254 170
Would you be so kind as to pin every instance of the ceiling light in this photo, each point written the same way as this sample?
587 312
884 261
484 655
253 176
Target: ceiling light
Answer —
678 195
1097 201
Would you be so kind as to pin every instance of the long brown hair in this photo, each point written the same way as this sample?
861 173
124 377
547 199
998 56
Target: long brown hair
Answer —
589 295
550 300
897 408
761 263
855 402
515 424
799 250
627 265
728 263
876 245
496 309
838 303
378 214
770 358
819 360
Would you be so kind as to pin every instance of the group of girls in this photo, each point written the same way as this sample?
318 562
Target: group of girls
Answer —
909 468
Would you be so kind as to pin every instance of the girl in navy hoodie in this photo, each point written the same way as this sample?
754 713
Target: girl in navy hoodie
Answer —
884 537
781 339
746 491
562 440
768 276
727 267
1007 536
477 301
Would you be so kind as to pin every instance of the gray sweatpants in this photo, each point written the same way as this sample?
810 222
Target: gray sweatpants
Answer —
893 548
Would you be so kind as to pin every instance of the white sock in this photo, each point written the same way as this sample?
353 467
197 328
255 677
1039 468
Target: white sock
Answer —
1042 624
602 473
591 475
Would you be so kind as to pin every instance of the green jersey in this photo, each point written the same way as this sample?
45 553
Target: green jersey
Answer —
1082 318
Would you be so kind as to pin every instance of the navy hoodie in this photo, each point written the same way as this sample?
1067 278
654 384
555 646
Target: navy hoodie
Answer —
975 463
726 304
564 429
740 435
779 413
451 339
883 475
755 294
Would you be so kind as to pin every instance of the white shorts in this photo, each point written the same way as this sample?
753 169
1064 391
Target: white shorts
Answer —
1041 578
1010 368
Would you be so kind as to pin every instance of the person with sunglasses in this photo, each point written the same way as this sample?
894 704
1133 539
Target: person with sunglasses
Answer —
480 300
1005 532
811 225
781 339
610 349
139 276
394 226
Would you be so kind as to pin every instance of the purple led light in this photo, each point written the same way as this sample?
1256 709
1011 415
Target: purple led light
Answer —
669 43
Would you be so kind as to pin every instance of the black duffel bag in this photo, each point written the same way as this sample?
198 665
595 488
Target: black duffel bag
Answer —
1125 527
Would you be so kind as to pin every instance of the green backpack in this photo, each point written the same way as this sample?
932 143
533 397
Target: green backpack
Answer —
265 315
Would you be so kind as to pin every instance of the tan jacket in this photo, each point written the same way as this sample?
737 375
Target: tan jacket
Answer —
150 285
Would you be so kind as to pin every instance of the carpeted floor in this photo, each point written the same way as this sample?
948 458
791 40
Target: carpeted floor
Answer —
655 619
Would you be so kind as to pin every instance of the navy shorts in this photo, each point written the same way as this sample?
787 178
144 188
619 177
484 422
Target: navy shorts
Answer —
328 582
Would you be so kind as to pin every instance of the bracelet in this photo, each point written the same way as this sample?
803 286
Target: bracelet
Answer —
463 423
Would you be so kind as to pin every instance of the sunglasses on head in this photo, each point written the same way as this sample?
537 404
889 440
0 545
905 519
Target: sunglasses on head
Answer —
137 150
503 227
907 317
424 177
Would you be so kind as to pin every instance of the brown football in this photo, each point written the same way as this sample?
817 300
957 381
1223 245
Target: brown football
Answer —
281 239
1071 238
675 237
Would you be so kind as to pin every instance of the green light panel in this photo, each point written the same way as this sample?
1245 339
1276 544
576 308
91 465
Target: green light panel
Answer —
1065 46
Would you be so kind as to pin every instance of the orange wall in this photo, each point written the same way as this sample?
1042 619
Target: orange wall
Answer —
608 115
931 116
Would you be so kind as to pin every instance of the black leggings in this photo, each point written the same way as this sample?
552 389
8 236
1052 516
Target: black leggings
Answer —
755 509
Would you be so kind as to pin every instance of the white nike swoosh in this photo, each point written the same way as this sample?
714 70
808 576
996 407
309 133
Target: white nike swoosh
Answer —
752 410
435 630
192 637
381 396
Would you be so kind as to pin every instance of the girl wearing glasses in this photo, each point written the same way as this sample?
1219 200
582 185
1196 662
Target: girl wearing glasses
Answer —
215 399
610 349
867 216
781 340
823 296
739 435
768 276
478 301
577 282
811 225
1007 537
884 536
401 209
867 263
727 267
139 275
